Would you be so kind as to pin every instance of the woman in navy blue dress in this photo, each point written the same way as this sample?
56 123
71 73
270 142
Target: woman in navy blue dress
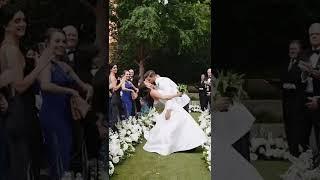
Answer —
127 89
57 82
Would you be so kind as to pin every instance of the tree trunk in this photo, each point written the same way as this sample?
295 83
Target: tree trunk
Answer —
141 61
101 32
141 70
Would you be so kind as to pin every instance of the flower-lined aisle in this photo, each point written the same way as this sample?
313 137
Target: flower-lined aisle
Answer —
129 139
205 124
121 144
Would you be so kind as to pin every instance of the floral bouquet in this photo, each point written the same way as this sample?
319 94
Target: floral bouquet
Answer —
229 85
182 88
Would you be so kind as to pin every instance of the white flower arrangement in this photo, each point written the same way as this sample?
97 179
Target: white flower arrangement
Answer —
269 149
205 125
301 168
229 84
130 133
195 108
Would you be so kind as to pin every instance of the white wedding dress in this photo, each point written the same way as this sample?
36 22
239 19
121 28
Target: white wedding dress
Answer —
228 127
179 133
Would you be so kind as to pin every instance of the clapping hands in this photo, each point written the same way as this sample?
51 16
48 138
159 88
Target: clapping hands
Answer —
306 67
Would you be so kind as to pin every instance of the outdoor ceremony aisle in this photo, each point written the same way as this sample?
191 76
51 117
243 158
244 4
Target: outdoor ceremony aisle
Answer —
151 166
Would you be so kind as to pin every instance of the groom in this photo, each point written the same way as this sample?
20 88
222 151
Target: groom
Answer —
167 85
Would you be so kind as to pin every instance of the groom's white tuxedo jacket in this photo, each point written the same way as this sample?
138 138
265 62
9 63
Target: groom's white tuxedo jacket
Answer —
169 87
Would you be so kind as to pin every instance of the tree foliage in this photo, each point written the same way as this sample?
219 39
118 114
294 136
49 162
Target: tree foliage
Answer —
146 28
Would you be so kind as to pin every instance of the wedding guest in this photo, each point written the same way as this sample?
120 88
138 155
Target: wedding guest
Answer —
310 75
114 96
80 59
202 93
135 81
293 103
96 130
131 74
208 88
55 115
127 90
21 125
81 62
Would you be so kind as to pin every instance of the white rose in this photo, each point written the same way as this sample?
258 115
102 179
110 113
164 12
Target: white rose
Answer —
114 149
111 168
209 157
125 146
134 137
208 131
253 156
269 153
121 153
262 150
115 160
127 139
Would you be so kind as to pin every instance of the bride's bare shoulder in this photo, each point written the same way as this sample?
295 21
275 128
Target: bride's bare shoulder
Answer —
8 51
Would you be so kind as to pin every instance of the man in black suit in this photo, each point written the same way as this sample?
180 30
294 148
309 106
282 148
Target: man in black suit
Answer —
311 76
80 59
293 102
202 93
208 88
135 81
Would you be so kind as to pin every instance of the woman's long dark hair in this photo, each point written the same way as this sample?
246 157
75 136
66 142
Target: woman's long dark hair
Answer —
110 66
7 12
144 93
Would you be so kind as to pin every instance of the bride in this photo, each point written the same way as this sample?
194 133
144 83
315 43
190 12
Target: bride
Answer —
175 129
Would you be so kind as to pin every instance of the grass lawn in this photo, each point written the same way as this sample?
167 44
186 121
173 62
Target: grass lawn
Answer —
151 166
